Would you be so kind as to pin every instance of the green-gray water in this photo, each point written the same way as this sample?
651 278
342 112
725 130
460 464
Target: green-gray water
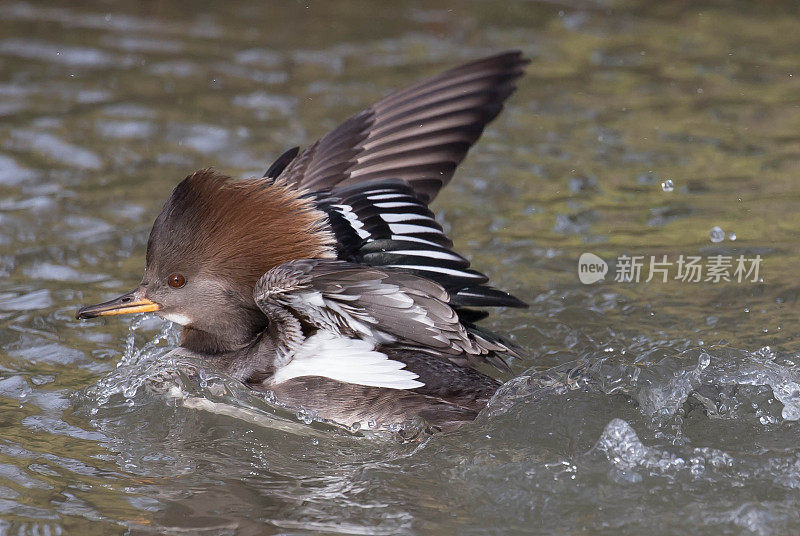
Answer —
684 419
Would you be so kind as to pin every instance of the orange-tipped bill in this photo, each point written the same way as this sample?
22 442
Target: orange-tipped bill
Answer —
126 304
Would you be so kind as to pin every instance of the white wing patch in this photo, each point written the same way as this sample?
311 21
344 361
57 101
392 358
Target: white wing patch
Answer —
440 269
383 197
414 239
407 228
391 217
352 218
439 254
346 360
396 204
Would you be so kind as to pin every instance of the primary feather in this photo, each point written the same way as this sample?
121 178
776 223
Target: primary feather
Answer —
418 134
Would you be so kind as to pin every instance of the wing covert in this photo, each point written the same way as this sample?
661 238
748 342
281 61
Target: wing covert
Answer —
380 305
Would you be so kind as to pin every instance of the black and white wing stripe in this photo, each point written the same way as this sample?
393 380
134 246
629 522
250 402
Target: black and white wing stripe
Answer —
418 134
382 306
385 224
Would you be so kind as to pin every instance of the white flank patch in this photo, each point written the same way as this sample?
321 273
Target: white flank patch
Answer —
346 360
183 320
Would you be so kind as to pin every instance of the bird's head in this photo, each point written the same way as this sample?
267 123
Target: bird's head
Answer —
212 241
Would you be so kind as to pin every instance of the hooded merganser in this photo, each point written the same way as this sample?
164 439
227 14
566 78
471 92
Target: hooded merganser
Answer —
328 281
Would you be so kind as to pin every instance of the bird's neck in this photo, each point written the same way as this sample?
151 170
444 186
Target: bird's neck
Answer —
211 344
245 350
234 328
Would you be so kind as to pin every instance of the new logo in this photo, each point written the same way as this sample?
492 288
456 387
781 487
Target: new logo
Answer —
591 268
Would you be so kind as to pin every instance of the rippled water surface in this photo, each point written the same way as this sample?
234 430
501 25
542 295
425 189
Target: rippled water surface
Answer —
645 407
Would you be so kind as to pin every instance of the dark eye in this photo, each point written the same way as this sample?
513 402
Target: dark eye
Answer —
176 280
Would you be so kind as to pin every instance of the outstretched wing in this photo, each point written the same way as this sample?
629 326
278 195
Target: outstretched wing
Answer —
418 134
378 305
375 174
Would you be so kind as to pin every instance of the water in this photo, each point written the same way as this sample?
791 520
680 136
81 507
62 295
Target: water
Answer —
668 406
716 235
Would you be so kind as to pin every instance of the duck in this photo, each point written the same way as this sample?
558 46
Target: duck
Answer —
327 282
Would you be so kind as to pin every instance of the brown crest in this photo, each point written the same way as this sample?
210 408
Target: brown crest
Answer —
235 229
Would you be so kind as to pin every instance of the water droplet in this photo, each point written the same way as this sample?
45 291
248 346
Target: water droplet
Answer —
716 234
314 441
668 185
731 236
355 427
371 424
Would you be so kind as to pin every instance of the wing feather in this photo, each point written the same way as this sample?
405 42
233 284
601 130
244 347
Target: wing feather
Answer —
346 360
384 224
418 134
376 304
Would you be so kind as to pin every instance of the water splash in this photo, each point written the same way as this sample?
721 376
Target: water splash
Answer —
136 366
626 452
621 446
160 373
662 389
